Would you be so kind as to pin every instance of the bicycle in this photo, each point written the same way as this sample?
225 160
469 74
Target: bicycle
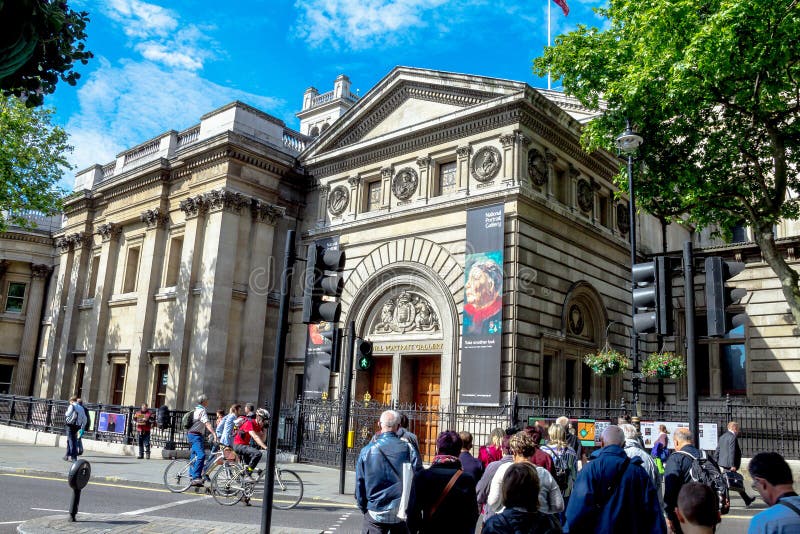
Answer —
232 484
177 476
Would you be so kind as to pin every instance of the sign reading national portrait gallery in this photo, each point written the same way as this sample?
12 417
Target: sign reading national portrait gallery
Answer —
482 319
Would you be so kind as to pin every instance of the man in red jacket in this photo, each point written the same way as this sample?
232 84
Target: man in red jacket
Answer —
144 422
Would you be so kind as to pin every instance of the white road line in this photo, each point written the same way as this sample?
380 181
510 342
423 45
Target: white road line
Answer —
52 510
11 522
162 506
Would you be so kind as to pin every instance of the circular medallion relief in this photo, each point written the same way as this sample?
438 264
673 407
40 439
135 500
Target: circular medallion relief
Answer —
623 224
486 164
537 167
585 195
575 319
404 183
338 199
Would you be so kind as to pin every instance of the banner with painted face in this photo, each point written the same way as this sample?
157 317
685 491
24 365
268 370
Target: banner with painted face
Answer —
482 318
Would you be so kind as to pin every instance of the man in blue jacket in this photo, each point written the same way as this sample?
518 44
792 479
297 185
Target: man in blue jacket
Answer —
379 478
613 493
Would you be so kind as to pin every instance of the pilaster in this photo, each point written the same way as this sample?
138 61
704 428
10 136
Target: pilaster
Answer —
425 177
550 161
322 209
65 246
509 157
356 201
33 319
464 153
99 316
386 187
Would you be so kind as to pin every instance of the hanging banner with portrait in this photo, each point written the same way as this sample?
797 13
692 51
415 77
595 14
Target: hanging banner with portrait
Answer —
482 318
316 377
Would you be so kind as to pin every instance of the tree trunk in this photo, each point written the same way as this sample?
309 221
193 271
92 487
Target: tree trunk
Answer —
787 276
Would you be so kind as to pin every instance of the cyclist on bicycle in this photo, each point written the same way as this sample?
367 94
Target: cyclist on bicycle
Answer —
251 429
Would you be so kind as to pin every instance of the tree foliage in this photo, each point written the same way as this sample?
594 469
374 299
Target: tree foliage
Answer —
713 86
40 42
32 160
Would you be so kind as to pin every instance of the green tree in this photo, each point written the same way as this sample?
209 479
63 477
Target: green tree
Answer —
40 42
714 88
32 160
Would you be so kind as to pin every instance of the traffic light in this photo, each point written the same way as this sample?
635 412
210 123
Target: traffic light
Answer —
719 297
328 353
323 285
364 357
652 297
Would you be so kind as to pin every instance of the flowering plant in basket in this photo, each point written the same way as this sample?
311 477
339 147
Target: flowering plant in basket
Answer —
607 361
664 365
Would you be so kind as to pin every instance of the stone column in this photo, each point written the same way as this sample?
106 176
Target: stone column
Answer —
65 245
82 249
572 175
194 208
356 204
33 321
550 160
509 158
322 209
97 327
426 184
150 266
386 187
462 170
262 280
209 334
522 142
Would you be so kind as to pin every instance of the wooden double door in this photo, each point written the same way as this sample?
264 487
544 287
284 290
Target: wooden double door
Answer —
420 384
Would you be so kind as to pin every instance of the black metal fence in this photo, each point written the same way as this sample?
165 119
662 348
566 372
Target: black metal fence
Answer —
313 429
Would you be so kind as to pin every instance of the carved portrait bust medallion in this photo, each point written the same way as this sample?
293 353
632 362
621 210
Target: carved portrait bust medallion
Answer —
585 195
537 167
623 224
575 319
338 200
404 183
486 164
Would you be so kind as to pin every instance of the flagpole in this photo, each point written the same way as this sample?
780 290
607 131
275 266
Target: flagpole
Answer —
549 6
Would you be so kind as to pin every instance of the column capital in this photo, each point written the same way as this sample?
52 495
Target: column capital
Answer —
464 151
423 162
4 266
354 181
522 139
507 139
324 189
72 241
193 206
265 212
40 270
109 231
386 173
154 218
227 200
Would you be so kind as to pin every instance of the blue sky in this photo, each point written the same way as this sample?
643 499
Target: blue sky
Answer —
162 64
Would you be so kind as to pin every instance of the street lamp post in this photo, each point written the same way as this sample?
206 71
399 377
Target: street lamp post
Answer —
627 143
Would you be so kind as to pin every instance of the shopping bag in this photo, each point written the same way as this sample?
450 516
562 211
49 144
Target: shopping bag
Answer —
408 479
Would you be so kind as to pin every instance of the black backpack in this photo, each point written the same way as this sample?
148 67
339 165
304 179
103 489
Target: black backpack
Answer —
706 472
560 470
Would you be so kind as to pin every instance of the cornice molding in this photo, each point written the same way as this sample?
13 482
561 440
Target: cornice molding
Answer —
28 238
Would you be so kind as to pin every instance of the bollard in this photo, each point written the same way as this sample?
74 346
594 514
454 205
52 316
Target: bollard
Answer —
78 477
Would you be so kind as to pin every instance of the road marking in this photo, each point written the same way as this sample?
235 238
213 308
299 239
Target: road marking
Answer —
102 484
162 506
52 510
11 522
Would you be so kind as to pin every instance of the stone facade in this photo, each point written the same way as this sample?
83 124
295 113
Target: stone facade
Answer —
166 267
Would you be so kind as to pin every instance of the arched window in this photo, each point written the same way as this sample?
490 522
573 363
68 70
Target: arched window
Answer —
314 132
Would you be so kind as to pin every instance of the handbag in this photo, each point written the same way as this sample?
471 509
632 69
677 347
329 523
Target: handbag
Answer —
735 480
406 480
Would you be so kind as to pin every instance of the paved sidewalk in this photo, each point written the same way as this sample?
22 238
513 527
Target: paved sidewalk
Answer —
321 484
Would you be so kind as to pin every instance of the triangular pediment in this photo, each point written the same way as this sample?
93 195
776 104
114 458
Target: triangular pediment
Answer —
406 98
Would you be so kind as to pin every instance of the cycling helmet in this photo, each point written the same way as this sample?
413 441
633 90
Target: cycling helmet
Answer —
262 413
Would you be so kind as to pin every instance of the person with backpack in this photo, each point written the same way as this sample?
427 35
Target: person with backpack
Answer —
443 496
196 425
613 494
225 428
85 428
521 514
74 419
633 448
689 464
565 462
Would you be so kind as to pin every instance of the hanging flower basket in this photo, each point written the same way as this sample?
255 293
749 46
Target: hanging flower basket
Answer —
607 361
664 365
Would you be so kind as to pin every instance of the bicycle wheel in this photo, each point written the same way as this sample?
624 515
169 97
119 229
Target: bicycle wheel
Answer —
287 490
227 486
176 476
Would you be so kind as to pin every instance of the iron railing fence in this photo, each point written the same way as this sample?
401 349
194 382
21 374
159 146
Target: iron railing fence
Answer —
47 415
313 429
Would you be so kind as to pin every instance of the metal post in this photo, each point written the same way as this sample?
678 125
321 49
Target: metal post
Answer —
691 360
277 381
634 335
351 349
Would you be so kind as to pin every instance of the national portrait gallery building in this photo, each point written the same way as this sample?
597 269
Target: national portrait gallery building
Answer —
487 253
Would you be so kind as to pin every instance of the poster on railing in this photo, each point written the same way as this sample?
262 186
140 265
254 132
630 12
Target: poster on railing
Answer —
482 319
708 433
112 422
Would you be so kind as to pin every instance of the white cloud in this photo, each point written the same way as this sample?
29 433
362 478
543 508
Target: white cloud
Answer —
158 34
360 24
123 106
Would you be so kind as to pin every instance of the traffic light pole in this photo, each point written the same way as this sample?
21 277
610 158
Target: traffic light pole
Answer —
277 381
691 357
634 333
351 349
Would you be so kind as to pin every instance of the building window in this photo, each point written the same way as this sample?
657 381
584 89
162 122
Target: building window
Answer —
605 220
117 383
5 379
92 287
80 367
446 180
739 234
15 298
131 270
373 195
162 379
174 262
